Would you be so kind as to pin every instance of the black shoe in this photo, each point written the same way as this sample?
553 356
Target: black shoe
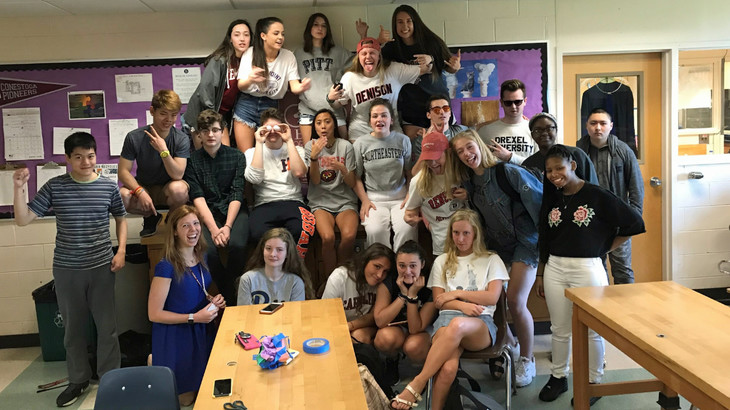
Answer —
392 376
554 388
149 225
71 394
593 400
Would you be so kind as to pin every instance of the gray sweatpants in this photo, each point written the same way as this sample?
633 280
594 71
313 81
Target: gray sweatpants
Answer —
80 292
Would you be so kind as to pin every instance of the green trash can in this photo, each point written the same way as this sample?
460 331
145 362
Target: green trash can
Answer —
50 324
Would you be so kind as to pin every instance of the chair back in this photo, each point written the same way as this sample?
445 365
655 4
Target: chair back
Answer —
139 388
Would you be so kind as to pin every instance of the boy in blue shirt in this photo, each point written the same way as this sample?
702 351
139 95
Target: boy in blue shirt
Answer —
83 261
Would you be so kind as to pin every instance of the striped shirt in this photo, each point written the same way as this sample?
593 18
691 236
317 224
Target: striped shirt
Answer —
82 219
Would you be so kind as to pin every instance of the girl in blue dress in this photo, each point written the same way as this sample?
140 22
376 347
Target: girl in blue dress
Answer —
179 305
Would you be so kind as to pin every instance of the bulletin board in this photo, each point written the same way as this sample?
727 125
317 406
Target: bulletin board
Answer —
474 90
87 96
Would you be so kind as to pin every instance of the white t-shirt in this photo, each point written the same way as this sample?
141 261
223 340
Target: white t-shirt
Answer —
515 137
281 71
275 181
362 90
436 209
340 286
472 273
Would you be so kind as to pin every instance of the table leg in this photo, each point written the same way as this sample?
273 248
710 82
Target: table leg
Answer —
580 361
668 399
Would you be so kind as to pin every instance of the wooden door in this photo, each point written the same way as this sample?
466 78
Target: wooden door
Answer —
646 248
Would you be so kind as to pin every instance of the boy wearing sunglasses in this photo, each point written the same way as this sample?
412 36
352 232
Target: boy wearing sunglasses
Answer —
439 114
274 166
509 137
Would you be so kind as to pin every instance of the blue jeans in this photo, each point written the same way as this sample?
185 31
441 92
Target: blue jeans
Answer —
248 109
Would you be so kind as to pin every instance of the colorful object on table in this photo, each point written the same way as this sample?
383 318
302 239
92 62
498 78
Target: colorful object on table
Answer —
247 340
274 352
316 345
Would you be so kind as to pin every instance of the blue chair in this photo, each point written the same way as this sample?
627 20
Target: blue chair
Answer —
138 388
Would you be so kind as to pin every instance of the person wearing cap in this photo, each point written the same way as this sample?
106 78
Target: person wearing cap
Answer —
544 130
509 137
427 199
370 77
438 112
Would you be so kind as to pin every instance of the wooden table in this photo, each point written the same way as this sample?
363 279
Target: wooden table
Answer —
677 334
327 381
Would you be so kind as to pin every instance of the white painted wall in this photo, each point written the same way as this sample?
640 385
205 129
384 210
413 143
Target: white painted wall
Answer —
569 26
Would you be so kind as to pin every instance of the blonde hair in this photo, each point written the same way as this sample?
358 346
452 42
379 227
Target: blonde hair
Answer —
172 253
357 68
456 171
427 182
479 249
292 264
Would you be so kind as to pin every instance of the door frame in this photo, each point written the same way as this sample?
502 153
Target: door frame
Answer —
669 141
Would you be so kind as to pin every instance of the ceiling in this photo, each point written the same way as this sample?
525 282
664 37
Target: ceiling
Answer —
36 8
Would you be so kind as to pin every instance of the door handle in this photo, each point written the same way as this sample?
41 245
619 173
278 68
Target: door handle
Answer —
655 182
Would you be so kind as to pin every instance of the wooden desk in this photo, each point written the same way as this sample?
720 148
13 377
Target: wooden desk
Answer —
677 334
327 381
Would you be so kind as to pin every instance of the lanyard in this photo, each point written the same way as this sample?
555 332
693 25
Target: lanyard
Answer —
202 278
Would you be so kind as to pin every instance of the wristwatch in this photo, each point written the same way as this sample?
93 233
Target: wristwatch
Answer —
191 320
164 154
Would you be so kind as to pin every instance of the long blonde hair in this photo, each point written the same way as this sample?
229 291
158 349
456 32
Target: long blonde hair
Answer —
292 264
456 171
479 249
427 185
172 253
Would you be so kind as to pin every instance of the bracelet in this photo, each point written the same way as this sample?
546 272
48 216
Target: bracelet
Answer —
539 276
408 299
137 190
227 226
327 97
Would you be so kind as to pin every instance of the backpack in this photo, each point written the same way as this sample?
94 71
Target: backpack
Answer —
367 354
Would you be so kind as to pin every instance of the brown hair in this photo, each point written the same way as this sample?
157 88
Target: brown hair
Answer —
293 263
166 99
172 253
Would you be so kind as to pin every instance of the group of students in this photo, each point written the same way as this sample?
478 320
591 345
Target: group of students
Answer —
491 222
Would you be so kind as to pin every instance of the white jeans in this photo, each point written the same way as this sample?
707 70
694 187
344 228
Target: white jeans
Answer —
379 221
562 273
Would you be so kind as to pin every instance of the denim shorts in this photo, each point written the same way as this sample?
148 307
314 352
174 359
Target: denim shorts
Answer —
445 317
248 109
518 253
308 119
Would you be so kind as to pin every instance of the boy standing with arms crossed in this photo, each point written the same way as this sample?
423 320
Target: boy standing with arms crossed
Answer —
83 261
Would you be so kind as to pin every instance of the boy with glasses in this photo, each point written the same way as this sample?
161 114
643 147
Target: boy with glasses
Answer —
439 114
509 137
215 176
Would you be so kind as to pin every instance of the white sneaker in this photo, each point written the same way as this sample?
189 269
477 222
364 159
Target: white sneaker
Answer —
524 371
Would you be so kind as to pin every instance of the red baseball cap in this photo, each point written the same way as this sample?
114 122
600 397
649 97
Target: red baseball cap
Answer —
433 146
368 42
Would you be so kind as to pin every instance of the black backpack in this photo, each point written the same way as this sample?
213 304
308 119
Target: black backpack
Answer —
370 357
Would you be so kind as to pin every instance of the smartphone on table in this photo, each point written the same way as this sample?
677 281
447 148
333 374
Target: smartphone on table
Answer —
271 308
222 388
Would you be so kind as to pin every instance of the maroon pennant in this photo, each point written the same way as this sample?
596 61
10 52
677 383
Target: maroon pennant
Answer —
14 90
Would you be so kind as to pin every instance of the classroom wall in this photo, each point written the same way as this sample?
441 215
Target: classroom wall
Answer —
569 26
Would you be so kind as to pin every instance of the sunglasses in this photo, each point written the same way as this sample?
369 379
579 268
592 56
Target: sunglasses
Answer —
439 110
516 103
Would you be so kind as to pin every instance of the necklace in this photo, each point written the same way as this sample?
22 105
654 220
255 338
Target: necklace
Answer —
580 185
202 278
565 205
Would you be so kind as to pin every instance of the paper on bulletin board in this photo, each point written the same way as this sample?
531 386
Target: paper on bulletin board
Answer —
22 133
46 172
118 130
134 87
110 171
184 81
59 136
7 187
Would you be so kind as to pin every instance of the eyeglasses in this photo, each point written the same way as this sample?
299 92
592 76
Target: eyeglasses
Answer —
438 110
516 103
206 131
540 131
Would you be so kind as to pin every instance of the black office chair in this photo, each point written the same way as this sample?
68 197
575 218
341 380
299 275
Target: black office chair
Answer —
138 388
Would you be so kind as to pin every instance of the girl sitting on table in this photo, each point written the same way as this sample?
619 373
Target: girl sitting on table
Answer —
275 272
466 282
355 283
179 305
332 176
404 309
582 222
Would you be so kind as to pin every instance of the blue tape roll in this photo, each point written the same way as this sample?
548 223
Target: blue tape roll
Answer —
316 346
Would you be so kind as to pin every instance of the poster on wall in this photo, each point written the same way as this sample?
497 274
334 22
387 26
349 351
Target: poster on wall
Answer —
85 105
184 81
474 89
134 87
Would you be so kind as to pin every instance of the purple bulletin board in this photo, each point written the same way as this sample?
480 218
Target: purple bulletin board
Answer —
47 86
485 67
